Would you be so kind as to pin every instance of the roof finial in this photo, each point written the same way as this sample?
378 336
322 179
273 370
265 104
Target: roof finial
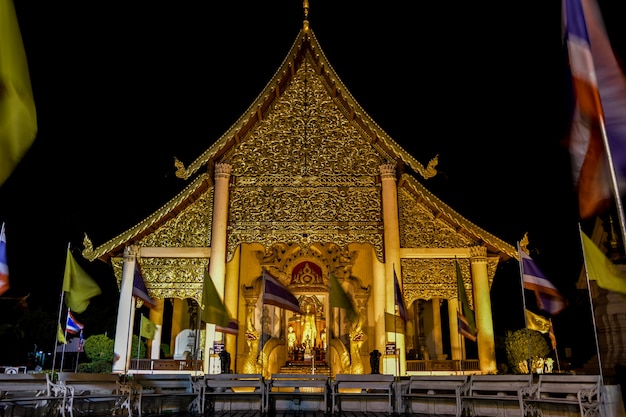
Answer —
305 5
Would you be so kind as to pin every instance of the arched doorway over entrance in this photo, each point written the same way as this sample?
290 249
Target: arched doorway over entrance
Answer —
318 336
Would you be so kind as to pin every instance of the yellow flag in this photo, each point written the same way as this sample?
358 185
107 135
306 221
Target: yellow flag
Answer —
60 334
18 118
394 324
537 322
213 309
148 328
78 286
601 269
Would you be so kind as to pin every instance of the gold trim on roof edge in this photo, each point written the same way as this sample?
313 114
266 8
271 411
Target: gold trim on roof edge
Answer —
455 219
269 93
108 248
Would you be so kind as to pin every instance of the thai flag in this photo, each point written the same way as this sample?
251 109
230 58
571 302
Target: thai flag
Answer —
399 299
72 325
465 329
139 287
549 299
4 265
277 294
599 117
232 328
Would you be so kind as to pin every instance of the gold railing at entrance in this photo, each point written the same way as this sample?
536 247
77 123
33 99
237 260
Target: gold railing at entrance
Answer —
443 365
166 365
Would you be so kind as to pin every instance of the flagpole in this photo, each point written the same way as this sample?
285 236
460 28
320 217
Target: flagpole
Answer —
609 158
262 321
198 324
56 337
593 316
78 351
330 330
64 344
521 278
556 351
56 333
395 320
196 344
461 345
139 340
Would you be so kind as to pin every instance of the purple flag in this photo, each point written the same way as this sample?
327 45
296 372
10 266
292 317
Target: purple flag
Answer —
277 294
399 299
549 299
139 287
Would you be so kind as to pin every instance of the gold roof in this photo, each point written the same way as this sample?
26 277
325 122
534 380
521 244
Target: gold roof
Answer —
304 51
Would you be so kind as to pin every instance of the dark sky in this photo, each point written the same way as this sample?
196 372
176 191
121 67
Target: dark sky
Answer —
121 89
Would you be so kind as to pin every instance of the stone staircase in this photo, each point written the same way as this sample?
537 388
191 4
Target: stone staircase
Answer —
323 369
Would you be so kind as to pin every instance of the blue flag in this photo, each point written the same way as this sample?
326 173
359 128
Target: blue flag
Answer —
139 287
399 299
277 294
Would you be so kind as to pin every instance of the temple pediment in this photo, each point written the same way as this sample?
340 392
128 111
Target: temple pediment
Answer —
305 161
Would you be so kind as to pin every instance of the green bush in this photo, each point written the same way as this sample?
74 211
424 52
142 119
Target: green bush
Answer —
99 348
525 347
134 354
98 367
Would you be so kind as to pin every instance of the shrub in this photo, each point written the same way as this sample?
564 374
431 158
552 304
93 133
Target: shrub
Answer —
524 347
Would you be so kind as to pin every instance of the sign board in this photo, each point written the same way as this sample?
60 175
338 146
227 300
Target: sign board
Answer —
390 349
218 347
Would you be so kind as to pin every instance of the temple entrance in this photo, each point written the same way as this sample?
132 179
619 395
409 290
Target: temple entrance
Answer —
318 338
307 339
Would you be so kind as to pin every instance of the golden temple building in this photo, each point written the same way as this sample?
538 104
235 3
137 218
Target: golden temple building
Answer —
305 185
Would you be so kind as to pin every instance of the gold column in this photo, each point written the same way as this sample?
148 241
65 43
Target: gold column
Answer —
156 317
378 299
217 263
178 316
391 227
482 308
231 301
437 337
455 338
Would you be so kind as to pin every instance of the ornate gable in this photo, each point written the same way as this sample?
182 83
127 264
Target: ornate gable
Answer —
305 173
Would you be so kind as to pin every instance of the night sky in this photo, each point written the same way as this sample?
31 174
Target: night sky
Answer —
122 89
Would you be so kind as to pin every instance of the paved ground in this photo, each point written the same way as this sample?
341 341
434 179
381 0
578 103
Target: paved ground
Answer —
284 414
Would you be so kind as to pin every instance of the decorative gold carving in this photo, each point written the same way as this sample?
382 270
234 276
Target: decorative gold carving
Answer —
388 171
305 174
411 194
181 171
421 228
523 244
169 277
431 169
436 278
191 228
479 252
222 171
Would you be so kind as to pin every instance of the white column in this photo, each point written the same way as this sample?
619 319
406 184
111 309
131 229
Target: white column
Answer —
125 314
217 263
155 352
